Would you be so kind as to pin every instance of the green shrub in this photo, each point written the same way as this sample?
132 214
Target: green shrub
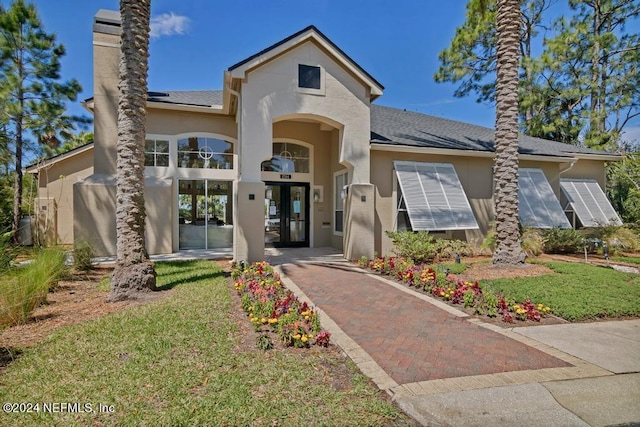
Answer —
8 252
532 242
421 247
489 241
617 238
82 254
562 241
17 301
48 266
22 289
264 342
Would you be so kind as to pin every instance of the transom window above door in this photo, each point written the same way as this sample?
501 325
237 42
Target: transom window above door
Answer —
205 153
287 157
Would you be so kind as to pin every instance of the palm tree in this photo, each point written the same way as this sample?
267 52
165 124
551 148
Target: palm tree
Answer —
505 169
134 273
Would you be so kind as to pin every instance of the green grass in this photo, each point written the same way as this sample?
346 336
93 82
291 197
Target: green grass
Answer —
627 259
577 292
454 268
175 362
23 288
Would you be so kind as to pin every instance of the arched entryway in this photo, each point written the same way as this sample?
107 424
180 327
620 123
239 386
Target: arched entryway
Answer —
287 176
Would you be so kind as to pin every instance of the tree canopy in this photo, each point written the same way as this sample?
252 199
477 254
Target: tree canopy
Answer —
578 74
32 95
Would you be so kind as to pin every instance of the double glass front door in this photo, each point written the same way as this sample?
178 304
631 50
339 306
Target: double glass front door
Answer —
286 214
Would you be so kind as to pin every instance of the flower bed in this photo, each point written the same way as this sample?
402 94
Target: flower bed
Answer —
455 291
273 308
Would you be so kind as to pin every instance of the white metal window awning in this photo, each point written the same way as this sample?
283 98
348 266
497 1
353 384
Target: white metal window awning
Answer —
589 203
538 205
434 196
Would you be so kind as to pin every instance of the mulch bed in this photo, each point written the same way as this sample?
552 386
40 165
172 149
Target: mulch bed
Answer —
72 302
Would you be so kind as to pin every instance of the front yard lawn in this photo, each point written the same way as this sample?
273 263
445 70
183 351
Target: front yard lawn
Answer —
577 291
181 361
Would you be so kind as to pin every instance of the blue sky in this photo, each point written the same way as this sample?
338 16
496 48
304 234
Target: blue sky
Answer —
194 41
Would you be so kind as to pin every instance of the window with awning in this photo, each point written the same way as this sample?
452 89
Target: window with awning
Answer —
589 203
432 197
538 206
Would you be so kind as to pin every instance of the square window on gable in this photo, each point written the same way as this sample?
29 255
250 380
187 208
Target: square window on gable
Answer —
309 76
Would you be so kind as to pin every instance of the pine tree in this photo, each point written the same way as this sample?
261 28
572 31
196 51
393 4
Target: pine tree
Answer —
31 94
583 85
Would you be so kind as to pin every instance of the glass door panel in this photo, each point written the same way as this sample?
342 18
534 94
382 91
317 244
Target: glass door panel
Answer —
205 217
272 212
297 214
191 215
286 214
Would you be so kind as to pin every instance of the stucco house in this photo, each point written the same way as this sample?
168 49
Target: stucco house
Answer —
293 152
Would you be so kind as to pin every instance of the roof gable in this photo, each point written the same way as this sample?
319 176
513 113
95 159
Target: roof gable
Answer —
309 34
40 164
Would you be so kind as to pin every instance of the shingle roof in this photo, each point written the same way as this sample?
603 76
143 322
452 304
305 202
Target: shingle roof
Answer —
200 98
398 127
393 126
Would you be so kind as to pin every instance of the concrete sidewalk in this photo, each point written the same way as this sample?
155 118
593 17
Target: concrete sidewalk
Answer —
446 369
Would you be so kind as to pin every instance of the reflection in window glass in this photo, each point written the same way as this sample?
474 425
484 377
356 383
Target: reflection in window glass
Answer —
339 196
403 222
308 76
156 153
205 209
205 153
287 157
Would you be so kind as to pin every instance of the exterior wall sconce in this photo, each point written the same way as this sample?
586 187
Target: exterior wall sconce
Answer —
318 193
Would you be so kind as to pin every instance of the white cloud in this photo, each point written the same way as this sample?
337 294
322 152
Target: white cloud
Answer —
169 24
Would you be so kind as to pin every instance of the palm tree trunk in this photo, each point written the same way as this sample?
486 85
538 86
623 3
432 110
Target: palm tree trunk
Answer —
508 250
134 273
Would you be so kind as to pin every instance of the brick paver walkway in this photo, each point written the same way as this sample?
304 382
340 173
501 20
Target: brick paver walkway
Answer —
411 339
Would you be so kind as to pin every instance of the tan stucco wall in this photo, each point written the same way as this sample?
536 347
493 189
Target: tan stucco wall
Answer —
168 122
248 231
106 56
474 174
271 107
476 178
359 221
587 169
270 94
94 205
54 203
